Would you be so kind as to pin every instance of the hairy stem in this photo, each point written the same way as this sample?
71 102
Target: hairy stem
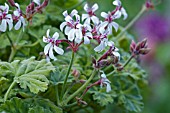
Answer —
32 45
82 87
8 91
12 44
132 22
13 52
68 72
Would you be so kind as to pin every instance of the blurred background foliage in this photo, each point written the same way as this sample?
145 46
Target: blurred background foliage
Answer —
154 25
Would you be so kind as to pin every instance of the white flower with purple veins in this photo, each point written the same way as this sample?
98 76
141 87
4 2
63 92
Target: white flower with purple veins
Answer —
91 15
105 81
104 43
5 18
17 16
86 32
72 28
121 11
107 25
69 24
48 49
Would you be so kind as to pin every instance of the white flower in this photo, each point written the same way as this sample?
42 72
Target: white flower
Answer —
107 25
90 16
48 49
86 32
104 43
121 10
5 18
105 81
72 27
19 18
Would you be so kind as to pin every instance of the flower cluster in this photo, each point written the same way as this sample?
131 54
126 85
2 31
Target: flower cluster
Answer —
83 29
17 18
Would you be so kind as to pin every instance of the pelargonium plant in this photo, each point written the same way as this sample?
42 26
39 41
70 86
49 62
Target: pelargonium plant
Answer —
79 63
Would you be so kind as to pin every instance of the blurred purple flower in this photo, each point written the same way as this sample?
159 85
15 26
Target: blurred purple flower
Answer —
154 26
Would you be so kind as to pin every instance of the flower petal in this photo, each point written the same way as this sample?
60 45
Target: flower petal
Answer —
55 36
10 23
45 39
87 21
117 3
100 47
48 33
102 27
67 30
86 7
58 50
95 7
65 13
104 15
115 25
79 36
37 2
17 25
46 48
86 40
84 16
95 20
51 55
68 19
3 25
62 25
123 11
71 35
108 87
73 12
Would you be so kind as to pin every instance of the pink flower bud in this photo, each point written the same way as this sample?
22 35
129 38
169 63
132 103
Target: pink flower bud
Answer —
12 3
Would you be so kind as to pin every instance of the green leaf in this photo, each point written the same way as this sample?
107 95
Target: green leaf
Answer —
38 109
17 105
128 94
102 97
29 73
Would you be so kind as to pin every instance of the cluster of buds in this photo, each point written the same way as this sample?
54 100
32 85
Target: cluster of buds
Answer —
17 18
91 27
141 48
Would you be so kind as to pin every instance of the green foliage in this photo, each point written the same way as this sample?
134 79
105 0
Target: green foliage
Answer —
16 105
28 73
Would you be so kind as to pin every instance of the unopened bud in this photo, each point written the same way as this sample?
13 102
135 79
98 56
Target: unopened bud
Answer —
149 5
132 46
45 3
12 3
143 43
82 81
75 73
144 51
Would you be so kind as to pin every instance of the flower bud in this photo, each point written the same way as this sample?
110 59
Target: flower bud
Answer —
12 3
144 51
132 46
143 43
75 73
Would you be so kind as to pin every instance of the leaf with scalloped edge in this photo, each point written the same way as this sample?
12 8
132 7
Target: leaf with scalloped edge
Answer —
102 97
29 73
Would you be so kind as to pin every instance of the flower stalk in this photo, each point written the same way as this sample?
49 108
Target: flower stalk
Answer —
68 72
81 88
9 89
